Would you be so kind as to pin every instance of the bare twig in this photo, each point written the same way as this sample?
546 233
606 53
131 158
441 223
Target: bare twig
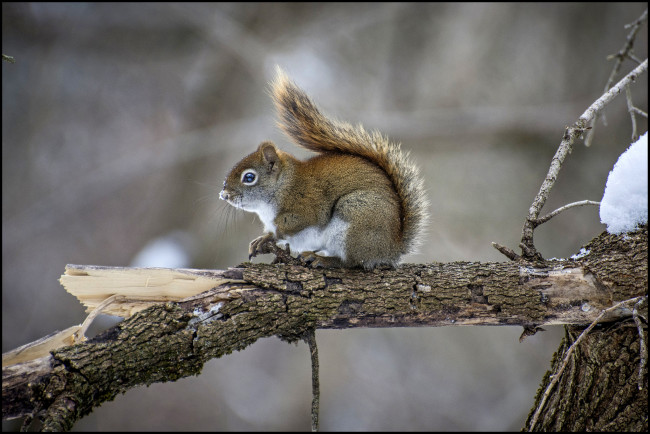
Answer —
644 349
567 357
570 135
315 382
510 254
633 110
630 106
638 21
549 216
623 53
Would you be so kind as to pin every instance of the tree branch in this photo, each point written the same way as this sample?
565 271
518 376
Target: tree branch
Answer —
169 341
550 215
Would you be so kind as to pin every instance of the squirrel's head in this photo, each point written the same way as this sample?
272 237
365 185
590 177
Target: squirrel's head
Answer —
253 182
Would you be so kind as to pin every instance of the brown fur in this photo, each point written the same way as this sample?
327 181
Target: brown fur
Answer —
358 177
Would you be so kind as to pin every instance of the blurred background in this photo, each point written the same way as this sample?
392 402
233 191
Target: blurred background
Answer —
120 122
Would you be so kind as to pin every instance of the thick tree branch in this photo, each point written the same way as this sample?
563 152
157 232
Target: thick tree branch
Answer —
173 340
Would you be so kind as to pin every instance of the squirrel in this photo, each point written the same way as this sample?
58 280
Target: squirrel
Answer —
358 202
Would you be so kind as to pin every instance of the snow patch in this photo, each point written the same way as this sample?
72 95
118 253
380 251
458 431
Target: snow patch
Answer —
625 202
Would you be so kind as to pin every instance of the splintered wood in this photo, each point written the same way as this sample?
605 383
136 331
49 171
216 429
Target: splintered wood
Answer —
40 348
139 287
116 291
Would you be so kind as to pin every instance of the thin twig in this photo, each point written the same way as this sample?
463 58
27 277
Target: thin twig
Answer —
549 216
638 21
623 53
569 352
634 58
644 349
315 383
630 109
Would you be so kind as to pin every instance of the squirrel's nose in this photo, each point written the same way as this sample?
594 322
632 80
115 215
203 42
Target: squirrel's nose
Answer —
224 195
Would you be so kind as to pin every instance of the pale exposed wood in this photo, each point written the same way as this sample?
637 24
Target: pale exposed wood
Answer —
141 287
41 347
118 291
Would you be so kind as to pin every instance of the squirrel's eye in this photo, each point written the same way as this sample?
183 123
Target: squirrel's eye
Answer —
249 177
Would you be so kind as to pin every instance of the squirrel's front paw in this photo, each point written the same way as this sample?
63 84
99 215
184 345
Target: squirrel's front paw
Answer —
261 245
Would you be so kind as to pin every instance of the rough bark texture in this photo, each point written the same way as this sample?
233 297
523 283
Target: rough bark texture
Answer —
173 340
598 390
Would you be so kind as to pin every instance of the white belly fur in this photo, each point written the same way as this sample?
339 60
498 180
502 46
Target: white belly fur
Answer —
328 241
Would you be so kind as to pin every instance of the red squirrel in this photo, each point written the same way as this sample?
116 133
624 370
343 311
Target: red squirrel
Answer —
358 202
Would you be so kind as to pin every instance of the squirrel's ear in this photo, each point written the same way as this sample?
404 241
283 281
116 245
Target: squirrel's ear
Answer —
270 155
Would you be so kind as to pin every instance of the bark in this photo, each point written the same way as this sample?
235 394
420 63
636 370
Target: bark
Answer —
599 390
173 340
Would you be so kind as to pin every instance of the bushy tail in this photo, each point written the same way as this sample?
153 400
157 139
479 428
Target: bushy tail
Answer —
304 123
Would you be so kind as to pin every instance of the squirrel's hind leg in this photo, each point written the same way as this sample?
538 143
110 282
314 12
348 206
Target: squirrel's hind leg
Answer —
372 236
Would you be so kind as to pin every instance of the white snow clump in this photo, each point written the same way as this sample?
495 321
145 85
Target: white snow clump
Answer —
625 203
